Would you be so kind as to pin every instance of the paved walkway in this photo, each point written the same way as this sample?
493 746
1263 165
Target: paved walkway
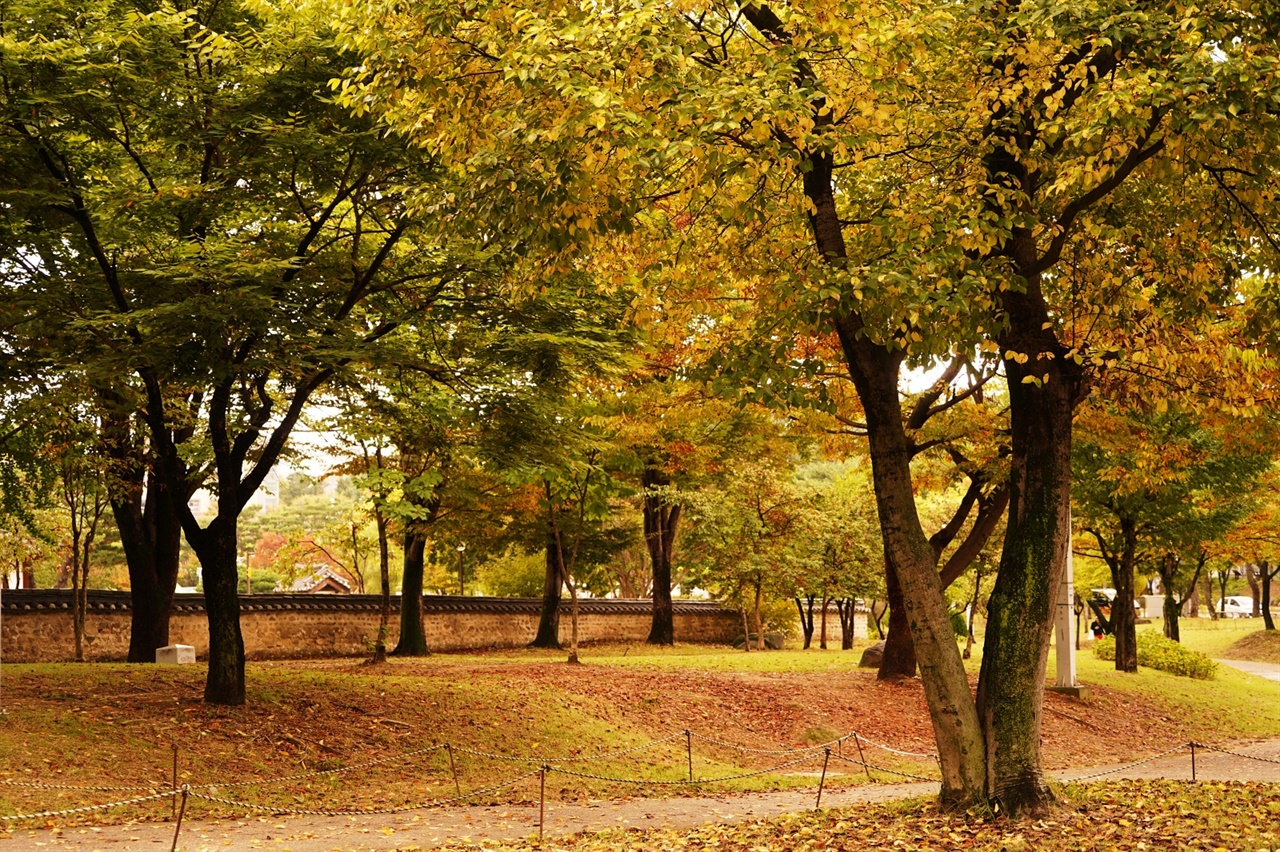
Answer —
1268 670
426 829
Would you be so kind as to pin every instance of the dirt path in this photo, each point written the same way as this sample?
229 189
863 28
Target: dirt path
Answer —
427 829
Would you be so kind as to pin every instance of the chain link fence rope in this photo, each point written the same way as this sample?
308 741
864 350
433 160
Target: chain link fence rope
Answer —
1128 766
301 776
683 782
745 750
931 755
398 809
885 769
83 809
603 755
1234 753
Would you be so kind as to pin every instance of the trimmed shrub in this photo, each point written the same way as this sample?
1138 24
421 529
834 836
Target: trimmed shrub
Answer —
1157 652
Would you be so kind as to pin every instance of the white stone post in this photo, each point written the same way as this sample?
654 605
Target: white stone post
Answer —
1062 622
1063 618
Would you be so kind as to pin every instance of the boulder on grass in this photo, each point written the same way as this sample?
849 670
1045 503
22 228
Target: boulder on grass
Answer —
872 657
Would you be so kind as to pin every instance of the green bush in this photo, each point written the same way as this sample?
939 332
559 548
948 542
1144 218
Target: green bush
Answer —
1157 652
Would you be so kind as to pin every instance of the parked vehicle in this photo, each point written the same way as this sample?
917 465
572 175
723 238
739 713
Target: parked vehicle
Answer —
1236 606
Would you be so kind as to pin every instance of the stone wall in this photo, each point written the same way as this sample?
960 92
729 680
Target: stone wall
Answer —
36 624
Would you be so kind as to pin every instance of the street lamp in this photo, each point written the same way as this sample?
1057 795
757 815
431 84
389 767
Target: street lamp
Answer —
462 548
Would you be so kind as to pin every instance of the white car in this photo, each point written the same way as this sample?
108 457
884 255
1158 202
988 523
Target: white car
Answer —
1236 606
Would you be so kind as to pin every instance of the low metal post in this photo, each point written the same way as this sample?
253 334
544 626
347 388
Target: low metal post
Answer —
688 745
862 756
542 799
1193 760
174 812
181 812
823 780
453 767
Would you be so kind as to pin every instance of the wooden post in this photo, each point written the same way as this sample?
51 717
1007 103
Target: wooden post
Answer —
823 780
862 756
688 744
1193 760
453 767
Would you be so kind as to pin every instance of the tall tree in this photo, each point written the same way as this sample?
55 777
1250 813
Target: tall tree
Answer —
1159 488
216 239
911 178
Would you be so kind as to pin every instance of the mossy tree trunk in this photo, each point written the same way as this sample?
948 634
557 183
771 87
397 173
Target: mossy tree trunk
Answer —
1032 562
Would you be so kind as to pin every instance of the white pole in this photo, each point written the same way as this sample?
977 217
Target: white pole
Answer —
1062 620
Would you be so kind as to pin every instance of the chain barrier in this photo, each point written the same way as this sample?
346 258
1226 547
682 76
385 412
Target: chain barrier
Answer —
436 803
84 809
264 781
883 768
837 741
683 782
154 791
320 772
124 788
932 755
1126 766
603 755
1235 753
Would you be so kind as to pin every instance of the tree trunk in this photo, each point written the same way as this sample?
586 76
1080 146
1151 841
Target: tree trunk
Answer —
845 607
1268 574
216 547
899 658
806 624
1032 562
151 537
877 617
956 728
759 585
150 529
548 635
969 638
1123 623
413 635
384 580
573 622
660 521
1255 593
1207 586
822 638
1167 568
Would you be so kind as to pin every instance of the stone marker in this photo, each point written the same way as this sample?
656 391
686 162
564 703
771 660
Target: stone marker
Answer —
176 654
